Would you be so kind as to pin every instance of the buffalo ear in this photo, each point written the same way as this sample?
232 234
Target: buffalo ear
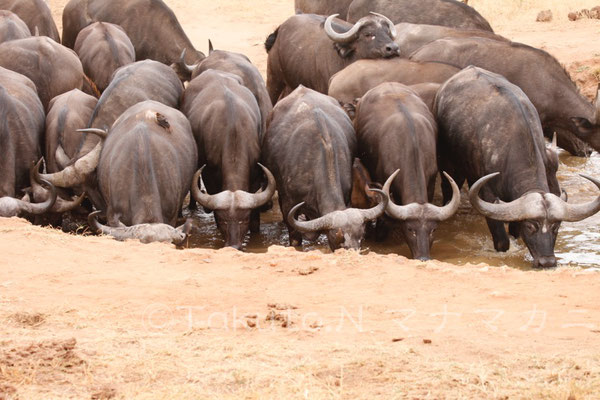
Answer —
584 127
361 196
343 50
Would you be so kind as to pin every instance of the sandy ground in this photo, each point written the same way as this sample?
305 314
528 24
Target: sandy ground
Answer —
92 318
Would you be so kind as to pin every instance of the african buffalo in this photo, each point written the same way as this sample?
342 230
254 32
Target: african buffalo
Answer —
67 113
131 84
150 24
237 64
102 48
361 76
561 107
53 68
12 27
36 14
144 167
308 49
309 146
412 37
21 129
226 122
503 139
396 130
322 7
433 12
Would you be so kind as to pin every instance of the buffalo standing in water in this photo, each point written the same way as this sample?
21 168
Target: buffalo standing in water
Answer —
144 168
226 122
396 130
309 146
500 151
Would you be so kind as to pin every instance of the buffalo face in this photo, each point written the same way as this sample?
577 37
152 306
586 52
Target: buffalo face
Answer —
233 225
371 37
540 237
233 208
349 236
419 234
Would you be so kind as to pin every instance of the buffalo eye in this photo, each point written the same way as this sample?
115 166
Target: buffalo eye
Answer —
412 232
531 228
555 228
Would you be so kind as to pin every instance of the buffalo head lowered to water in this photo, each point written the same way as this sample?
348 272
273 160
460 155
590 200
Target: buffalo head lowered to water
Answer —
538 217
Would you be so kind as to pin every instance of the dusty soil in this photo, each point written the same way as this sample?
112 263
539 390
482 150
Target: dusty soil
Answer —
89 317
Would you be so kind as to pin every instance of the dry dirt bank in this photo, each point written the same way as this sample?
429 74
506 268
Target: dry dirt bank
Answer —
79 315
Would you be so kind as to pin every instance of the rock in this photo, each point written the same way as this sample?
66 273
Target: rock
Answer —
595 12
544 16
573 16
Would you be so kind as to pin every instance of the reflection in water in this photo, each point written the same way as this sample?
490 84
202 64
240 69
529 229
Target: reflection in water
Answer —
463 239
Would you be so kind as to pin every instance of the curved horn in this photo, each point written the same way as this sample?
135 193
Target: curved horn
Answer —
400 212
210 47
577 212
76 173
342 37
525 207
219 201
377 211
314 225
40 208
62 159
447 211
61 205
393 32
250 201
182 63
228 199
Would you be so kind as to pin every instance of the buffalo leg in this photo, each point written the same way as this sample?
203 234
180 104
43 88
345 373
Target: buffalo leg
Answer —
499 235
513 229
255 221
295 237
497 229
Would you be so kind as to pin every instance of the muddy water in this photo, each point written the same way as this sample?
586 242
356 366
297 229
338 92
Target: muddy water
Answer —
463 239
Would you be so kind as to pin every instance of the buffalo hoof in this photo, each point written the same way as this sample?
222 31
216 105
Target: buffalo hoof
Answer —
502 245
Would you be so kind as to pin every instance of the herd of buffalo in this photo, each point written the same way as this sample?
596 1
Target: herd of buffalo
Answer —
366 102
